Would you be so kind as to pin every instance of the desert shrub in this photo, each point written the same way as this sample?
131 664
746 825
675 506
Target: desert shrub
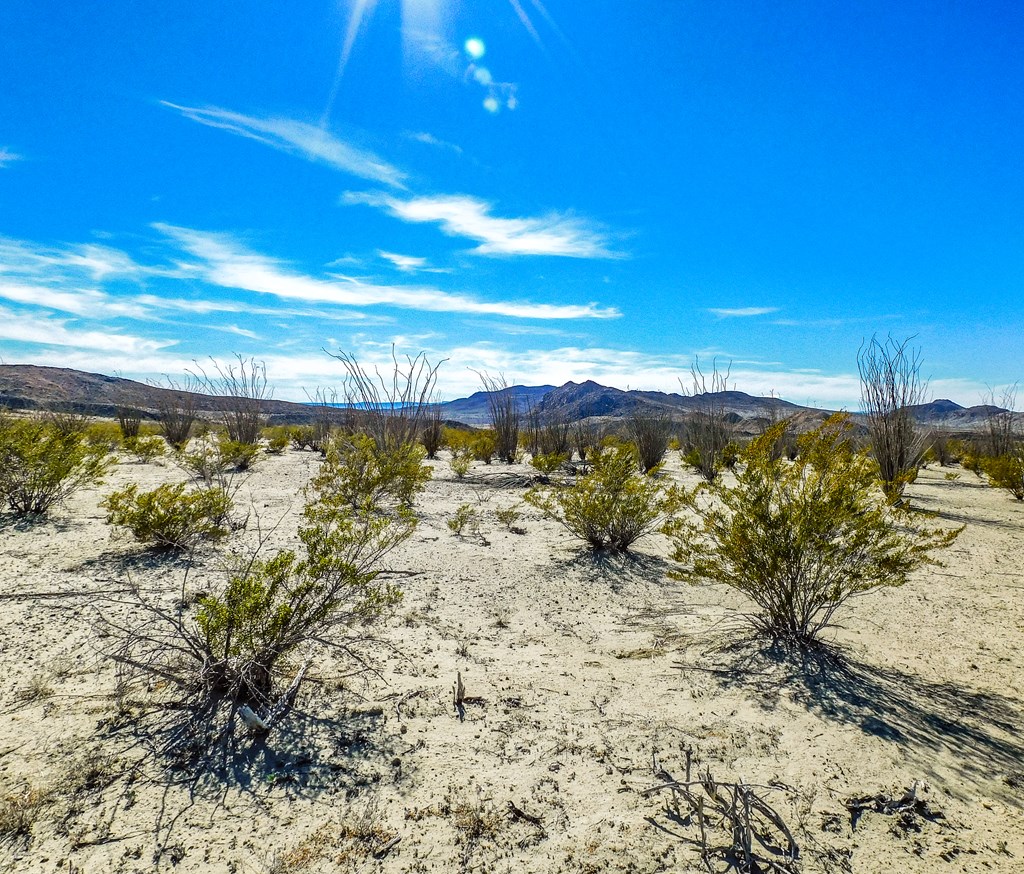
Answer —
145 449
508 516
171 516
460 465
801 539
483 446
708 427
731 454
650 433
505 415
243 392
548 464
213 458
237 643
458 440
891 384
612 506
41 466
105 435
176 409
1006 472
463 516
392 408
586 438
308 437
358 473
129 421
432 430
277 439
66 421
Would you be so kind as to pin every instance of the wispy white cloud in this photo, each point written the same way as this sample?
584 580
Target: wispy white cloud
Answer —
429 139
45 330
741 312
8 157
229 265
464 216
298 138
410 263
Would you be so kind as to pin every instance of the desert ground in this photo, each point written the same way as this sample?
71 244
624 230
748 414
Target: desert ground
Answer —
586 680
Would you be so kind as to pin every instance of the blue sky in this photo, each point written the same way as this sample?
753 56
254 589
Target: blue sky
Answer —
555 190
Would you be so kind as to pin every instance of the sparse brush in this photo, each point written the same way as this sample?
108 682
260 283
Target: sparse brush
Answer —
460 465
176 409
508 516
505 416
171 516
891 384
20 811
650 432
129 420
360 474
105 435
612 506
464 515
243 392
432 430
483 446
709 428
801 539
41 466
548 464
1006 472
145 449
277 439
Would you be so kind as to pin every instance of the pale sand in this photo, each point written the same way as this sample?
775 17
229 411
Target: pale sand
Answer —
554 643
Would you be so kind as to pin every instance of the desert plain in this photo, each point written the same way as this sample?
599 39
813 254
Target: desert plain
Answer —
586 681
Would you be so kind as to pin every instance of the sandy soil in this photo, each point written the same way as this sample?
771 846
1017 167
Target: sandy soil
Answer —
585 672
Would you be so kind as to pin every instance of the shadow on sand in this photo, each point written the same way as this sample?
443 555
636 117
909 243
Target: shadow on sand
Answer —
958 735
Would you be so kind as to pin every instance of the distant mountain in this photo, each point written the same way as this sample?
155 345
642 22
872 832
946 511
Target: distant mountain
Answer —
474 410
27 386
30 387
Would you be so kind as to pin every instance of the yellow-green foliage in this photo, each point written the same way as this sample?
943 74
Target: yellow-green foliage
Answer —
457 440
170 516
357 473
483 446
548 464
41 465
104 434
800 539
460 465
464 515
1006 472
613 505
145 448
269 608
277 438
213 456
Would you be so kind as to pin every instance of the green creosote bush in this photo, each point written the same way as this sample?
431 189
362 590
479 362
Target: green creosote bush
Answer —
464 515
612 506
460 465
145 448
171 516
483 446
548 464
106 435
1006 472
508 516
358 473
41 466
271 608
277 439
801 539
212 458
